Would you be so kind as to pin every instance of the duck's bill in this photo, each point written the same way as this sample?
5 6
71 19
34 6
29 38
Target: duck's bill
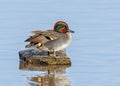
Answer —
71 31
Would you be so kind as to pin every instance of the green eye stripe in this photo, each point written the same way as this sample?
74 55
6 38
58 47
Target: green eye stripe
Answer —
59 26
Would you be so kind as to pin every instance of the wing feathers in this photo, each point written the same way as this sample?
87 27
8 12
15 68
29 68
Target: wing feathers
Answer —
42 36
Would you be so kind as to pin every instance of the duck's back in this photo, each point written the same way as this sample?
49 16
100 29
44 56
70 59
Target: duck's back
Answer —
42 37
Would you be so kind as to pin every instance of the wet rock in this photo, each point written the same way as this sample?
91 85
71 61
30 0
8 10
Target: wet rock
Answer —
31 56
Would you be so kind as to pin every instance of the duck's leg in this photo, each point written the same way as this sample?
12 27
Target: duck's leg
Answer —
54 53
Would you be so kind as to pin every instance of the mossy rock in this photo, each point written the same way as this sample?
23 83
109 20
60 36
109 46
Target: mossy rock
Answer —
37 67
32 56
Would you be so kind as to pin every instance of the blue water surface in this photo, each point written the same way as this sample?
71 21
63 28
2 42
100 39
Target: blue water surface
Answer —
95 47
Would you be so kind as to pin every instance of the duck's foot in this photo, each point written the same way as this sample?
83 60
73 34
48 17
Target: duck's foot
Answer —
52 54
58 54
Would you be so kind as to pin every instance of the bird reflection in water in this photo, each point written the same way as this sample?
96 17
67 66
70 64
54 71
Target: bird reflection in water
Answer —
54 75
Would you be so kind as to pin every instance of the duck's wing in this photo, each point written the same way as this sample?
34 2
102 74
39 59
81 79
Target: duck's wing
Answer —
42 36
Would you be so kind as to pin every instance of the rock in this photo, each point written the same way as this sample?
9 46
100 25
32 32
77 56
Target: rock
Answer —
37 67
31 56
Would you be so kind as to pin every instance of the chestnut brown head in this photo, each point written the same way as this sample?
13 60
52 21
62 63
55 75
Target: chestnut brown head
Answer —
62 27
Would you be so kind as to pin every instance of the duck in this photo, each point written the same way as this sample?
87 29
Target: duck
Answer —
51 40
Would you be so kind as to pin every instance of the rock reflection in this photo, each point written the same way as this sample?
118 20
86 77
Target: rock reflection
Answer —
54 75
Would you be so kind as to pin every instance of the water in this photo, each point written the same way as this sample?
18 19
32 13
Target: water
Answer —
94 51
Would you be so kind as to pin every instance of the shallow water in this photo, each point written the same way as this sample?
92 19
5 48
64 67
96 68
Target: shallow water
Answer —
95 47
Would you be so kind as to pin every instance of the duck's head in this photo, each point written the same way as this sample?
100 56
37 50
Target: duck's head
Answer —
62 27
